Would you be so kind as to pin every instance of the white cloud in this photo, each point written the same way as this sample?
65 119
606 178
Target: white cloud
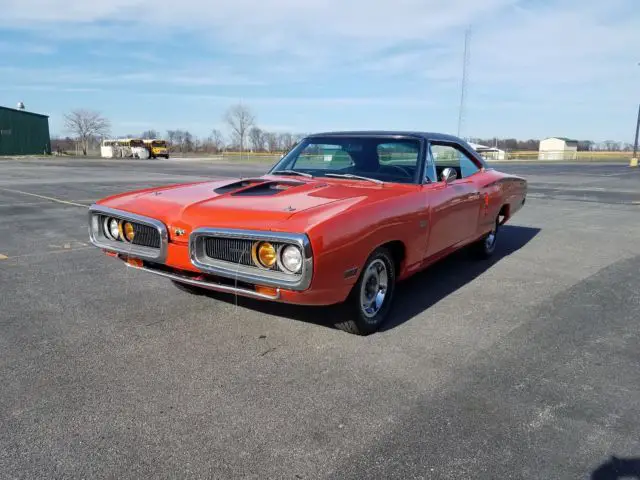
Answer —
26 48
315 102
536 55
513 41
99 75
50 88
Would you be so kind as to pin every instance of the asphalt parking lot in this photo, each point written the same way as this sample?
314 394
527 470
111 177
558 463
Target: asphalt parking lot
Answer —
525 366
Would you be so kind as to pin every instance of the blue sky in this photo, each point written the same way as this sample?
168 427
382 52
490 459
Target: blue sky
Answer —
537 67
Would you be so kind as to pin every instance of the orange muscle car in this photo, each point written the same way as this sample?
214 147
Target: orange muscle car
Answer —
341 218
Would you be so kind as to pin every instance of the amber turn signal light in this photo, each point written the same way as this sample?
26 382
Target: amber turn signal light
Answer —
135 262
128 232
270 291
265 254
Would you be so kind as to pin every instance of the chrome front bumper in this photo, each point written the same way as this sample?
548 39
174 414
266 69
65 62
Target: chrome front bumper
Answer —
206 265
218 287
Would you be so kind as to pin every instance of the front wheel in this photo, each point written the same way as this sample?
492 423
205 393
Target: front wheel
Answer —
370 300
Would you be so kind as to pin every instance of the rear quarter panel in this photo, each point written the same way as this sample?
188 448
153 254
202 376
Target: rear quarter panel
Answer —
503 192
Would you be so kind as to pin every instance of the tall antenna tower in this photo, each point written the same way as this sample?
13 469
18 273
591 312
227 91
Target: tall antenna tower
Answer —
463 86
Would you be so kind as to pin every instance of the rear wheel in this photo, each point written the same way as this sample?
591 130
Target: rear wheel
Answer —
370 300
486 246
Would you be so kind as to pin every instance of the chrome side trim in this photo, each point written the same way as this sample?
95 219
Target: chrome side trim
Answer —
146 253
252 274
218 287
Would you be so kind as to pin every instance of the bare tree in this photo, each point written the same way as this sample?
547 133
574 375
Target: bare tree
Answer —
584 145
286 141
217 140
188 141
171 136
86 125
61 145
240 119
271 139
611 145
256 137
150 134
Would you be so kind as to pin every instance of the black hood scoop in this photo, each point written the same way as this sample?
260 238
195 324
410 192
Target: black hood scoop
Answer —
266 188
257 187
233 186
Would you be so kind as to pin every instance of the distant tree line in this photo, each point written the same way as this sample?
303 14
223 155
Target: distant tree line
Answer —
88 128
512 144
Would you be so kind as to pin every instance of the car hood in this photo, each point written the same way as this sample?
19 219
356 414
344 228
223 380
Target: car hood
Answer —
260 203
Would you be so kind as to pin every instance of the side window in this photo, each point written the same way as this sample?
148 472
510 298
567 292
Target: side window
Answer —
399 153
430 167
449 156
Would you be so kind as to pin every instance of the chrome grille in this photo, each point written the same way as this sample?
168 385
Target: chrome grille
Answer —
144 235
227 253
233 250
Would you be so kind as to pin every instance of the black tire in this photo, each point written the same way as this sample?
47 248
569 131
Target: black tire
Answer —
185 287
357 319
486 246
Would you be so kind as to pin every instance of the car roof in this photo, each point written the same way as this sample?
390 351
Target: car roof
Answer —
403 133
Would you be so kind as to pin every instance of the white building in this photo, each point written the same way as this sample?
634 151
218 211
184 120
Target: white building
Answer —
558 148
489 153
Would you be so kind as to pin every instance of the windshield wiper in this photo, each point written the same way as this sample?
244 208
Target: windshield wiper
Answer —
350 175
292 172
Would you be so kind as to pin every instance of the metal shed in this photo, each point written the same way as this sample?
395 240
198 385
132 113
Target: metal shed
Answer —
558 148
23 133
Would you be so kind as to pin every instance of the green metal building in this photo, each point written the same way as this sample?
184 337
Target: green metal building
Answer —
23 133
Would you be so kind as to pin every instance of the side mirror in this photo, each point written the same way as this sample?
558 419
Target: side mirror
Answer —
449 175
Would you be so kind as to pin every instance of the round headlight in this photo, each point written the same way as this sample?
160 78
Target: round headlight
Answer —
105 228
128 232
291 258
265 254
111 228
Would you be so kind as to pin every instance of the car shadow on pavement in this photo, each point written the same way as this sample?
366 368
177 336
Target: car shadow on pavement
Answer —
618 468
414 295
421 291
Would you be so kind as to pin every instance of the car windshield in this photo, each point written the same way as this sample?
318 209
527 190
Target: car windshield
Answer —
358 158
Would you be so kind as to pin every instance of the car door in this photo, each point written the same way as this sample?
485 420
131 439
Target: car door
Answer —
455 205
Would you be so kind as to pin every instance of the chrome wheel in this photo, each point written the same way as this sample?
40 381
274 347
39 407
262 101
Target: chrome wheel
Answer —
486 245
373 289
490 240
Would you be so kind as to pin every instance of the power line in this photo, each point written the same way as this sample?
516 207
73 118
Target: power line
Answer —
463 86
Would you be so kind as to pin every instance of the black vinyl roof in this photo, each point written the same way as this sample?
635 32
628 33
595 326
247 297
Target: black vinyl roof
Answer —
387 133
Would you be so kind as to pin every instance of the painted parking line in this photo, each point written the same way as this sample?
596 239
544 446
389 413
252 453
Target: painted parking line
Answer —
52 199
44 253
35 204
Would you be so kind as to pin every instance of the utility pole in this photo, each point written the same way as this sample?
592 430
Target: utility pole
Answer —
463 87
634 159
